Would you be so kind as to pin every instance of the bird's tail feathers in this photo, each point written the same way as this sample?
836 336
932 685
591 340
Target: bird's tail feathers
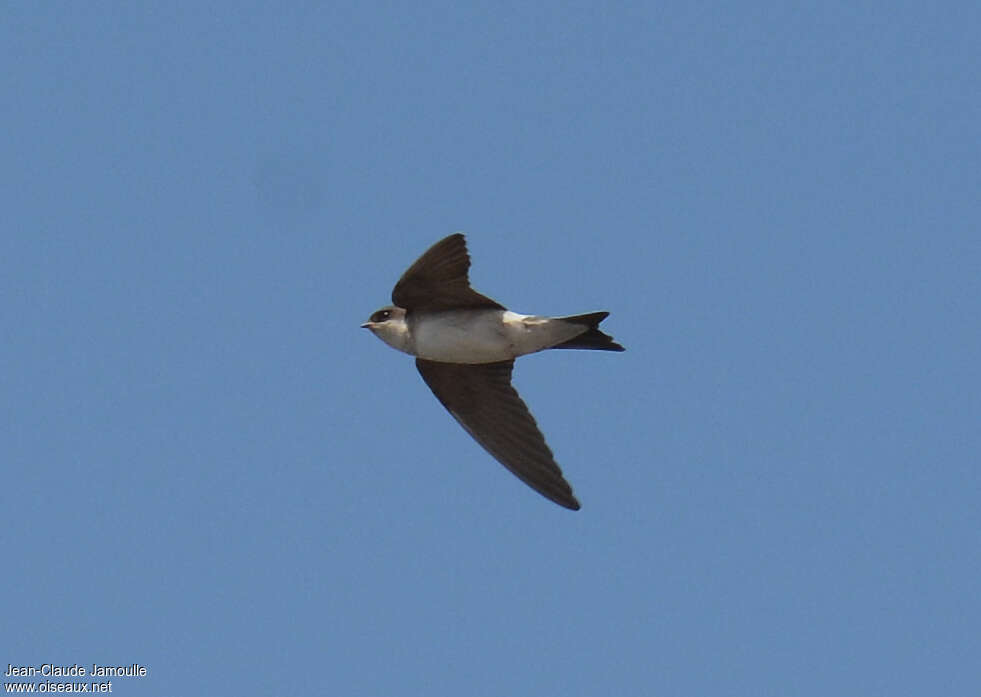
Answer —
592 338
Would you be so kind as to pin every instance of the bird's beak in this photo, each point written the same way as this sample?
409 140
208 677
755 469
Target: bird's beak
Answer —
367 325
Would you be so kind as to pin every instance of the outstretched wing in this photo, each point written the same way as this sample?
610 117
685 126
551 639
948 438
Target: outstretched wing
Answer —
438 280
482 399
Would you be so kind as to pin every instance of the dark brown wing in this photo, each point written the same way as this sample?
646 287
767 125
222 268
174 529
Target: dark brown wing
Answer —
438 280
481 398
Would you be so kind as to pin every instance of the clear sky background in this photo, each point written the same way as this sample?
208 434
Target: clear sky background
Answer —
210 470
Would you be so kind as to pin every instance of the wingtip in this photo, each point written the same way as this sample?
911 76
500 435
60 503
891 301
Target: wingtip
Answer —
569 502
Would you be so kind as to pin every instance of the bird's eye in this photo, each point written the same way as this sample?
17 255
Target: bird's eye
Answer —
381 315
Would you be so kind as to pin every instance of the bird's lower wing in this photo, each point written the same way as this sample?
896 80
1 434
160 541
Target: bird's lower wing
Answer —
482 399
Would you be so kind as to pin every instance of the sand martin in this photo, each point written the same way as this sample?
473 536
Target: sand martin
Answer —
465 345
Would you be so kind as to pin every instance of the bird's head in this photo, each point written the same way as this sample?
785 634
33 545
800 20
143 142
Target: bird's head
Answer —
389 325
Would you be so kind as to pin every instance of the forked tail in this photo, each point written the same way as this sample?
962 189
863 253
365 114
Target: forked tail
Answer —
592 338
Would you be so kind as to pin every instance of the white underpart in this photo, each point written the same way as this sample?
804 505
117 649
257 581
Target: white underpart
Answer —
484 336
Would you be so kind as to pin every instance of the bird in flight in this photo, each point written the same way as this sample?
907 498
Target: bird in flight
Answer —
465 345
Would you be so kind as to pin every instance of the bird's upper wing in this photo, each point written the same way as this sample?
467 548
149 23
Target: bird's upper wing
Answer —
438 280
481 398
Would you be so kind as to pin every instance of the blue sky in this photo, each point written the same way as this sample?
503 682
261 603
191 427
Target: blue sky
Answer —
210 470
